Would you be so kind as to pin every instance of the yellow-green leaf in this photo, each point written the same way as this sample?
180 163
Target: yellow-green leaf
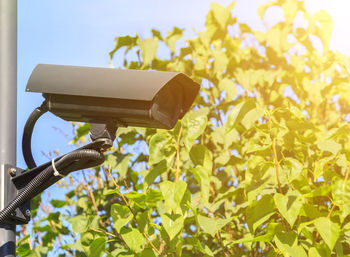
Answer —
133 238
211 225
149 48
326 23
288 205
328 230
172 224
287 243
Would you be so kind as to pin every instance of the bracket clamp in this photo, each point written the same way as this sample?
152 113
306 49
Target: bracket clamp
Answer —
9 191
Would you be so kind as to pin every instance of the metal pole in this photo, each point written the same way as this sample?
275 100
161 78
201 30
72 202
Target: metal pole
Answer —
8 112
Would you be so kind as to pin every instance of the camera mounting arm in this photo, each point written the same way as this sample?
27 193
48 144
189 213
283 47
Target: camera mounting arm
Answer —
32 182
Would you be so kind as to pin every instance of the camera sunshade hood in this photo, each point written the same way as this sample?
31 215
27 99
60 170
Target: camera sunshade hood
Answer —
127 97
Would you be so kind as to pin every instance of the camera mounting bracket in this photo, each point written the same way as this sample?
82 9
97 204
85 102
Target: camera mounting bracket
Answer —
10 190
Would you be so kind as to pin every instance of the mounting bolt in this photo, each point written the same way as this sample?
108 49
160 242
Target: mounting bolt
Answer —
12 172
28 213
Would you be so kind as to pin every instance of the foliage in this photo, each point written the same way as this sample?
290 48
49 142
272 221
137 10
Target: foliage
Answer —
259 167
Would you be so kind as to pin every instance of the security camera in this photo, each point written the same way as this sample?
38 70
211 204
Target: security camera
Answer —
155 99
107 98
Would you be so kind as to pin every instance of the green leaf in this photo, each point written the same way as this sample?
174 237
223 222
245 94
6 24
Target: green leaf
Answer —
172 37
201 247
329 146
133 238
257 176
161 146
326 23
202 175
230 137
157 34
273 37
149 48
287 243
58 203
121 215
97 247
251 117
155 171
222 14
328 230
111 191
81 131
294 168
237 114
271 227
118 162
200 155
319 251
24 250
247 78
173 194
211 225
172 224
153 196
289 205
77 245
341 196
21 240
142 219
259 212
87 238
148 253
194 124
127 41
229 87
79 223
221 62
137 198
290 9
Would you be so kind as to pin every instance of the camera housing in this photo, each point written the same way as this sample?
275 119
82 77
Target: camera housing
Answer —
154 99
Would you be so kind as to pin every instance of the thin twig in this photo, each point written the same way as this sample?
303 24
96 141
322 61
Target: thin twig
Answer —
52 224
92 197
275 157
276 164
346 176
132 211
87 187
178 156
102 231
330 212
224 249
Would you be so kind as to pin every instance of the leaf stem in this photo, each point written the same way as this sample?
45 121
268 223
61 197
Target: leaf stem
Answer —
92 197
276 164
275 157
346 176
132 211
151 243
102 231
224 249
178 156
330 212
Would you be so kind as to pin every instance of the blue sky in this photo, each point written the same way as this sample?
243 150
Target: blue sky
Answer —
82 32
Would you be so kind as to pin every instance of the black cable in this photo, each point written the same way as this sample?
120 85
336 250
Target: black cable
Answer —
93 157
42 177
27 134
